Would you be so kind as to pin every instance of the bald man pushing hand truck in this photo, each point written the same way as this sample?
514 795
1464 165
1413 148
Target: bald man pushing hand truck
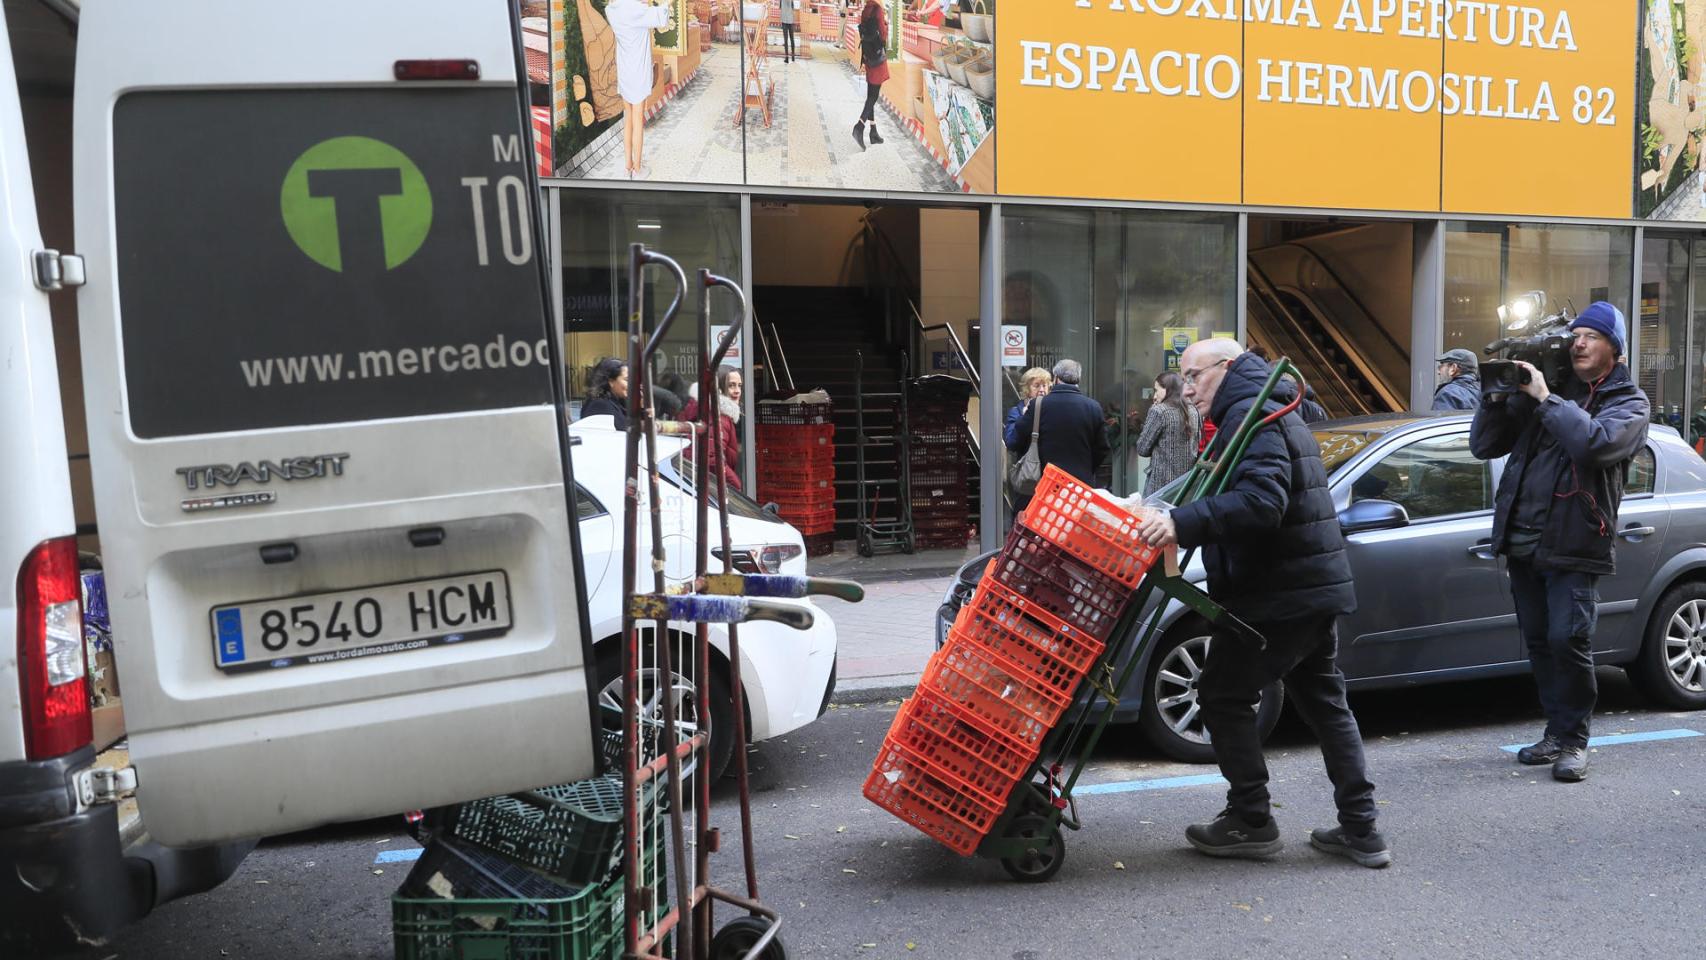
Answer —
1275 559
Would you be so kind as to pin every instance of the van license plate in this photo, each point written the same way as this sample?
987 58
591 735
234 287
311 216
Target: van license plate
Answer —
389 618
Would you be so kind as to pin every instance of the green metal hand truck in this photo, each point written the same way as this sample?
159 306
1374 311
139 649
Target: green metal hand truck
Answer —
1027 838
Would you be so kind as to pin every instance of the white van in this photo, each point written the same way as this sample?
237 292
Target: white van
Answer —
324 443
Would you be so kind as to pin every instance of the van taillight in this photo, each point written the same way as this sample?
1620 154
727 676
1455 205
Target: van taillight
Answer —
51 670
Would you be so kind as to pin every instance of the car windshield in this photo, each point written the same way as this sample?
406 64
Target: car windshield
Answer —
675 470
1339 442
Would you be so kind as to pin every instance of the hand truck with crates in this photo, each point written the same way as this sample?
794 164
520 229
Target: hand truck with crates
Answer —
984 757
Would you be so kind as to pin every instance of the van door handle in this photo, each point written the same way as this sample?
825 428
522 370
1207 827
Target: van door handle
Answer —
1634 534
1482 550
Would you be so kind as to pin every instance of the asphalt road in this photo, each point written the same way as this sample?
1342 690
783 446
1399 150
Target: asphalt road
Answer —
1492 859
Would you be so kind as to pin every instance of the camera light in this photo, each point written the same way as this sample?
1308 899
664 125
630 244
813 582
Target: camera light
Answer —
1523 308
1504 313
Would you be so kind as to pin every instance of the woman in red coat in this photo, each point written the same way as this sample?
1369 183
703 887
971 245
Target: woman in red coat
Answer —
725 452
874 55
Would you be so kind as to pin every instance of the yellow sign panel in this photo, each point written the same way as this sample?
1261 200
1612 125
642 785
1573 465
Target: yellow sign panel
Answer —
1325 123
1360 104
1106 101
1546 115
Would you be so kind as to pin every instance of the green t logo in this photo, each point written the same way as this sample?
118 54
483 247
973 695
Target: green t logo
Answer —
356 203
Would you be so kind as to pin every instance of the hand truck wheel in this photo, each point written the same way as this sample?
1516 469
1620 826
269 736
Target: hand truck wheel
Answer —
737 937
910 546
1044 854
864 544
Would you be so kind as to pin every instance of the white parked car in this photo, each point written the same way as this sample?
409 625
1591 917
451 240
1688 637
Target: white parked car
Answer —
788 674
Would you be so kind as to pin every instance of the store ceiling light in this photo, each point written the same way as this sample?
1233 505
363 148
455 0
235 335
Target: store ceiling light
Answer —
648 225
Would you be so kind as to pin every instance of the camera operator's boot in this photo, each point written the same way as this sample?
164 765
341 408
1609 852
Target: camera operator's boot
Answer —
1571 765
1543 751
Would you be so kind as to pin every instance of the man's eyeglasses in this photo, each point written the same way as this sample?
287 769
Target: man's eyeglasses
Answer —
1190 376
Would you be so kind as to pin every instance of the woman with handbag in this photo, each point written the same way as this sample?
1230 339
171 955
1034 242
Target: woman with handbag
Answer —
1024 417
873 56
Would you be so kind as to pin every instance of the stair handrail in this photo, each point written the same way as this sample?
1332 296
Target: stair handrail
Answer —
770 367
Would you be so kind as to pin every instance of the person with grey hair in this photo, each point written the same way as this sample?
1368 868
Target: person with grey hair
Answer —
1070 430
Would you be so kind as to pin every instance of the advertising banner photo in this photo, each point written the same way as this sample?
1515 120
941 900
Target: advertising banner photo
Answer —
848 94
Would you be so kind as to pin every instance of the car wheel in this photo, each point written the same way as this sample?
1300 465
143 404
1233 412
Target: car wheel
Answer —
1671 667
689 717
1169 715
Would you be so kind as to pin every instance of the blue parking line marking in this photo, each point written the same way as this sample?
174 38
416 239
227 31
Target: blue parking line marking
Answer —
398 856
1162 783
1615 739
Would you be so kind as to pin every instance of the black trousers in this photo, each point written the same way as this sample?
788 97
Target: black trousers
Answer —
1305 654
788 49
1556 610
872 91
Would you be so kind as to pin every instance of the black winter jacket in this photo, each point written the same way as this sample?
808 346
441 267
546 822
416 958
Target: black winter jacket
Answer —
1072 434
1462 392
1274 548
1579 474
607 407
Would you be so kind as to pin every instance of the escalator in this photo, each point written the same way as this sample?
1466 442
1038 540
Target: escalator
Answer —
1299 308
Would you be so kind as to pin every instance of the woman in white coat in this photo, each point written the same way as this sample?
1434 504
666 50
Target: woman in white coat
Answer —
633 22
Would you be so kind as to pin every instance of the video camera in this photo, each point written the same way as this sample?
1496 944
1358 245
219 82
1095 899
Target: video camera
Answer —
1547 347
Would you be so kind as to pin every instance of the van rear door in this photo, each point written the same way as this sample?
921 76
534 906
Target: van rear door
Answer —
327 467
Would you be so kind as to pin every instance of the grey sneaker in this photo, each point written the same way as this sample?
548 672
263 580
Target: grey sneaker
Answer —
1571 765
1542 751
1230 836
1369 849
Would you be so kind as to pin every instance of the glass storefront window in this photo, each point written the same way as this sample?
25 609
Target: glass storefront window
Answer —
1490 264
1121 292
697 230
1664 321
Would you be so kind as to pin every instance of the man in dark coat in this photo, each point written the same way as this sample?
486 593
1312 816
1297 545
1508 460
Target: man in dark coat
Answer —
1276 559
1459 377
1071 434
1555 514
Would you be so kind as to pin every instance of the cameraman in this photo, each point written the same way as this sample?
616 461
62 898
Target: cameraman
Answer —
1555 514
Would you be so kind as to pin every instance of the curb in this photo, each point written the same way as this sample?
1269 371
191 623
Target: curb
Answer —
875 690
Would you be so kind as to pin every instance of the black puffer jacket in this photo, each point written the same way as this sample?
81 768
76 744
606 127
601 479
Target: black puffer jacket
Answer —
1572 458
1274 548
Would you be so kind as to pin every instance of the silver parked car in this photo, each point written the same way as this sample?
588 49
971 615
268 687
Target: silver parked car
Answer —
1433 602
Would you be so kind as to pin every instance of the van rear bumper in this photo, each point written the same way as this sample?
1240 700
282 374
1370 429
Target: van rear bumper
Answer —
66 881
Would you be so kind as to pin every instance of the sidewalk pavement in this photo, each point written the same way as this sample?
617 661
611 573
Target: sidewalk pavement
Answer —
885 640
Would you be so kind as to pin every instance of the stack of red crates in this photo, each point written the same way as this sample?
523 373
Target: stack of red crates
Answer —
936 445
1013 662
796 468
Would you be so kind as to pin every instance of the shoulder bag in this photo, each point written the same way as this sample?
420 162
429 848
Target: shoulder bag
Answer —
1022 477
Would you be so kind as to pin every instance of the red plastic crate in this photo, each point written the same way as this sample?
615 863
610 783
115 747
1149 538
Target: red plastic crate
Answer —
1060 583
796 435
771 488
981 757
1020 657
988 687
814 520
908 787
1089 526
795 471
995 608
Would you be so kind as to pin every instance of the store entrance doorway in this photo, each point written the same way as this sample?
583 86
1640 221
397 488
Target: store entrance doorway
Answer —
1335 297
861 301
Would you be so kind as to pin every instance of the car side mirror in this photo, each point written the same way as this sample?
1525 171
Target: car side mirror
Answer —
773 509
1365 515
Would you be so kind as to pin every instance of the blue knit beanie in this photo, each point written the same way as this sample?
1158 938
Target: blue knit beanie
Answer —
1606 319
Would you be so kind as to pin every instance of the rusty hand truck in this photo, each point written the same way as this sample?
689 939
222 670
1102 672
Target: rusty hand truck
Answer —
727 598
1027 838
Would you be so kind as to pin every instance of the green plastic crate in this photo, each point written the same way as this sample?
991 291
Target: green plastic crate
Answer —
572 831
460 903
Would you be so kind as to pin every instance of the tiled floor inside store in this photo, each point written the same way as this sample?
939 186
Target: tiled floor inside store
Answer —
809 141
